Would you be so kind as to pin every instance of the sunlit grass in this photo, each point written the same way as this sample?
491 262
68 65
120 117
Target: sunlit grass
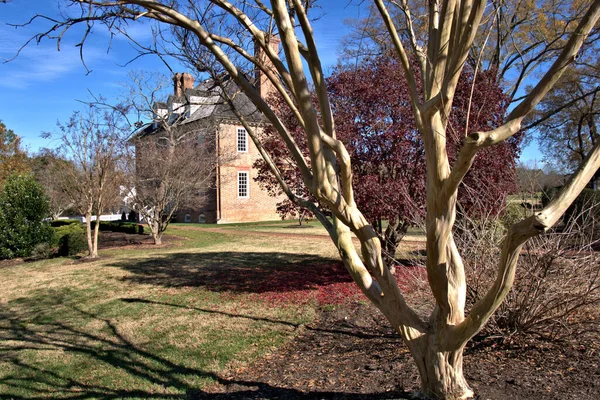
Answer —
94 329
159 322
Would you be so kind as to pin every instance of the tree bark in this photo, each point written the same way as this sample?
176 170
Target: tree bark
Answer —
394 233
88 229
157 237
301 214
94 252
441 372
155 228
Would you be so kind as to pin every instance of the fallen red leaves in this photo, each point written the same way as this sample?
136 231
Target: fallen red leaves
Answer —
326 285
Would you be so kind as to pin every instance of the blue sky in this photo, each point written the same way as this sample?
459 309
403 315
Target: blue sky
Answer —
43 85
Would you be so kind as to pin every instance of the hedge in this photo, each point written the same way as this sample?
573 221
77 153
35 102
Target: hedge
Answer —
71 239
120 226
62 222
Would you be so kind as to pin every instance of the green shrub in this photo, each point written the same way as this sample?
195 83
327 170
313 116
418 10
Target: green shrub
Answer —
23 207
133 216
71 239
119 226
62 222
42 251
513 213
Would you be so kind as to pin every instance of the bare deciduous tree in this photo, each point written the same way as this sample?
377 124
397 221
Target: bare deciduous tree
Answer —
567 136
171 173
90 142
226 28
162 178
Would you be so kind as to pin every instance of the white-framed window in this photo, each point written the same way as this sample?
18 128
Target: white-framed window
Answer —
202 219
187 218
243 184
242 140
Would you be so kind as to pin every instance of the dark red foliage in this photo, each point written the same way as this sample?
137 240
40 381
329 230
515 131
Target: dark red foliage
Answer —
493 174
374 119
281 157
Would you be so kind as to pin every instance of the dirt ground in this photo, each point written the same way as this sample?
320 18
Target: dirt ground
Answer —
352 353
110 240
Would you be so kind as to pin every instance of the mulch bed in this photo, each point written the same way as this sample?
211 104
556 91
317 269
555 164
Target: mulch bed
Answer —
352 353
109 240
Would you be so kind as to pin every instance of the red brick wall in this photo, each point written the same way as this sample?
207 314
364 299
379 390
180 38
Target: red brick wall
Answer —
259 206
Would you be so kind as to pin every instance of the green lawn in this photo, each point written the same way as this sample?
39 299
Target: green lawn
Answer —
150 323
162 322
312 227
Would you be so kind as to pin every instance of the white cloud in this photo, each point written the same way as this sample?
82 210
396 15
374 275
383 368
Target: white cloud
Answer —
42 63
140 32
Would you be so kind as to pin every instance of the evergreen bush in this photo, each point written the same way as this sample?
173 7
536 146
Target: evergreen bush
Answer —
71 239
119 226
23 208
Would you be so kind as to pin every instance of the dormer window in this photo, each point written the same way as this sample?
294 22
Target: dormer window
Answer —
242 140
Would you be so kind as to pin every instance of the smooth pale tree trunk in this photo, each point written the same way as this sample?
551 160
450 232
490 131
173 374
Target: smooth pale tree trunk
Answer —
441 370
157 237
440 364
88 229
92 234
96 235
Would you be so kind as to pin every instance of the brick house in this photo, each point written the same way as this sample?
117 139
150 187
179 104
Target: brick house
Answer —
233 195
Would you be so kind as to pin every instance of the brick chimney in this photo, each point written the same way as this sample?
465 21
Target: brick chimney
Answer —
264 86
181 82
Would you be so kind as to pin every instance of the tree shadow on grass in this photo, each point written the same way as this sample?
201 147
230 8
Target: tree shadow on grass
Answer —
237 272
25 330
339 331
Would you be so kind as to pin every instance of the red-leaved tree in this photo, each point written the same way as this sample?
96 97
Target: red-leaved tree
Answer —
374 120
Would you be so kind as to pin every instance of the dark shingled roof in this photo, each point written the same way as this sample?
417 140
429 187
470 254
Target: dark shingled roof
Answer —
215 105
210 105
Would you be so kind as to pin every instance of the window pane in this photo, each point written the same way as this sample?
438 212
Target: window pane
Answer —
242 184
242 140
